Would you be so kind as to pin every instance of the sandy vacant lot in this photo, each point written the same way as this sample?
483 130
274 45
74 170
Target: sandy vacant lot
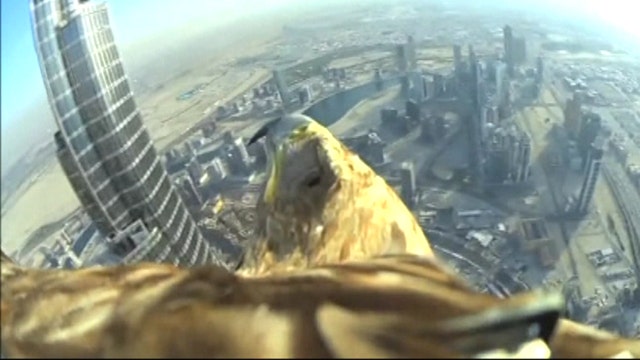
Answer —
50 198
47 200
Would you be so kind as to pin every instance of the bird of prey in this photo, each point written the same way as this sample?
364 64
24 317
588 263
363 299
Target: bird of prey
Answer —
322 204
391 306
319 285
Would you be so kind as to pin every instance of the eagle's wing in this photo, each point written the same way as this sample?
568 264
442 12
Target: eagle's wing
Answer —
394 306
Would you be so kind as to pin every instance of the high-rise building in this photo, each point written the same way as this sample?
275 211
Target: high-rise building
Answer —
418 90
457 60
573 115
591 173
507 34
539 69
411 53
412 109
377 78
281 85
402 57
408 180
103 146
519 50
590 128
502 82
524 159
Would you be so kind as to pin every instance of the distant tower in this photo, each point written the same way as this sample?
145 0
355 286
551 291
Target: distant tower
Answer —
591 173
524 163
402 58
589 131
408 180
502 82
457 60
377 78
281 85
411 53
418 90
507 34
519 50
103 146
573 115
539 70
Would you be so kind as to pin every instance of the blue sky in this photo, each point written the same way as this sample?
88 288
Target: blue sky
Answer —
132 21
21 83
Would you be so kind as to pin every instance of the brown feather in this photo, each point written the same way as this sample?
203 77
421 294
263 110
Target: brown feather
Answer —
392 306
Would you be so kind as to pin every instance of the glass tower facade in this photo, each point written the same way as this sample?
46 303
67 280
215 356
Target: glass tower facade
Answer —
103 146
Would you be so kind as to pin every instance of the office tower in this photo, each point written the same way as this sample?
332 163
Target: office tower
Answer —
401 57
377 78
507 34
475 147
539 70
238 157
591 173
524 159
389 115
103 146
405 85
457 60
519 50
281 85
408 180
427 129
439 87
502 82
189 191
573 115
417 87
195 170
305 95
590 128
411 53
217 170
412 109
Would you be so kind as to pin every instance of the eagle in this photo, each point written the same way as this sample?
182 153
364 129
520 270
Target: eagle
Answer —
387 306
341 269
322 204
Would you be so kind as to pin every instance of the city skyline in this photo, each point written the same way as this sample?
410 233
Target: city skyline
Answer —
19 56
24 98
482 122
103 147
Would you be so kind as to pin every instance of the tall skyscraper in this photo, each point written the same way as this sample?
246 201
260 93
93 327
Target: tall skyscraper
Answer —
411 53
103 146
408 179
281 85
591 173
507 35
402 58
457 60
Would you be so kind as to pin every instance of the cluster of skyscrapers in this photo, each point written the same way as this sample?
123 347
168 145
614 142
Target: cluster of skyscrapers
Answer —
103 146
515 49
585 150
499 152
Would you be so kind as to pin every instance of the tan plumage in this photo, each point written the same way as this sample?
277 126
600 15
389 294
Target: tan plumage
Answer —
349 212
300 293
394 306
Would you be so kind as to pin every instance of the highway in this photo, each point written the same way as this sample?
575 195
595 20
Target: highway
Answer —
628 201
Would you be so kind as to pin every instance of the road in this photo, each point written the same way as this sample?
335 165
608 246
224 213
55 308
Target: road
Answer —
628 200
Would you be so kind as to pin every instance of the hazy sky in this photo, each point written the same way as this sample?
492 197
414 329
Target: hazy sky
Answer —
132 21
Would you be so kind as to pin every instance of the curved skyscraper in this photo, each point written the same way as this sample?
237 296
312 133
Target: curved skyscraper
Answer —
103 146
